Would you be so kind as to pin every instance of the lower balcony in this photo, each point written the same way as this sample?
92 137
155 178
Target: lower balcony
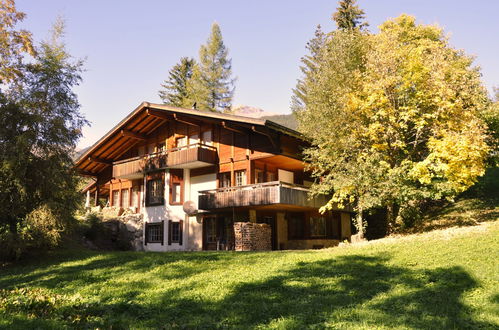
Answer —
260 194
191 156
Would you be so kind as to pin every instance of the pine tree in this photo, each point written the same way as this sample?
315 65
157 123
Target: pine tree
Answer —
212 85
349 16
310 66
175 90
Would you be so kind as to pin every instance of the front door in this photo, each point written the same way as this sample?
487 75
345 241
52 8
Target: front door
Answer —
218 233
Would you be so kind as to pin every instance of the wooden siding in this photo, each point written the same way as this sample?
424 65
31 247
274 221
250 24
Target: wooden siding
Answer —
189 156
258 195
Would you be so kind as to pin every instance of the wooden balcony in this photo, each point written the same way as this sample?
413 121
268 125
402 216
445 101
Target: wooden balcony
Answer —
269 193
191 156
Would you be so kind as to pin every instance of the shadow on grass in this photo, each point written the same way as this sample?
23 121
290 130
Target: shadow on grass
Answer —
347 291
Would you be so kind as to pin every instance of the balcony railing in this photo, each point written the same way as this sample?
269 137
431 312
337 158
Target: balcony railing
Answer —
259 194
190 156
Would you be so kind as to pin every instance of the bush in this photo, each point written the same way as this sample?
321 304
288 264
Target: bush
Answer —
39 231
94 226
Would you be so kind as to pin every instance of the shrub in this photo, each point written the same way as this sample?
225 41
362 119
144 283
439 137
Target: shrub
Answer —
39 231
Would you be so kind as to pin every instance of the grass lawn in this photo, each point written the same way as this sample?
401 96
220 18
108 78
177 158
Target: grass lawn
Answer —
442 279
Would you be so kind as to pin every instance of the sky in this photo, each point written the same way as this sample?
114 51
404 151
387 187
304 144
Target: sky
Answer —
129 46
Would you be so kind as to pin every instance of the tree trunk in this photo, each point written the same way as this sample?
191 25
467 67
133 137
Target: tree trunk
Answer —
360 225
391 214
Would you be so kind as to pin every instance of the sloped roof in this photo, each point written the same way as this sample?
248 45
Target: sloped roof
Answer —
146 118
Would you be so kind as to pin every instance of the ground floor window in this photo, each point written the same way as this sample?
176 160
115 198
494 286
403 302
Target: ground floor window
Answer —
296 226
154 232
116 198
317 226
175 232
125 201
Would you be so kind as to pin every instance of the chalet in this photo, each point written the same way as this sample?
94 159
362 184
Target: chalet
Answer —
192 175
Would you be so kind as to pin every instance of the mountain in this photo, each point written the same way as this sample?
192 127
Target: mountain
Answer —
287 120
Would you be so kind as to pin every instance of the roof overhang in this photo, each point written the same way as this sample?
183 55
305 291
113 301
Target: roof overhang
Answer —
147 117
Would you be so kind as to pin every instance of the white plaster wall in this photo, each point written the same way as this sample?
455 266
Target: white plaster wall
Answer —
195 227
166 212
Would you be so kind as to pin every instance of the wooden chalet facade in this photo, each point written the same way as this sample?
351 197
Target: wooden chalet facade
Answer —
162 162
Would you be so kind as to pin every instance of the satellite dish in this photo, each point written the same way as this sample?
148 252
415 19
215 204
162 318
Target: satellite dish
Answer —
190 208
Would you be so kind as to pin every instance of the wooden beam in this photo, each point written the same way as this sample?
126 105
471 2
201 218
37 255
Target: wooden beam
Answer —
133 135
185 121
224 125
159 114
84 173
267 134
100 161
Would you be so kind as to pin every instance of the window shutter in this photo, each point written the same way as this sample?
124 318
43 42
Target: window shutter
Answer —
145 233
170 232
180 231
162 232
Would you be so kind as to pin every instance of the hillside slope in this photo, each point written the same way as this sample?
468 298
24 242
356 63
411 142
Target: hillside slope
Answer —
439 280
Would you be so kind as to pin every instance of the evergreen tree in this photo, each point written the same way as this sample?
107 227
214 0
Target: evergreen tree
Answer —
349 16
175 89
212 85
310 65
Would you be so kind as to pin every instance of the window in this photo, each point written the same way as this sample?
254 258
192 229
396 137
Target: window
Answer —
176 193
193 139
224 180
296 226
155 192
135 196
211 229
258 176
154 232
175 232
270 177
317 226
116 198
181 142
207 137
176 186
240 177
125 201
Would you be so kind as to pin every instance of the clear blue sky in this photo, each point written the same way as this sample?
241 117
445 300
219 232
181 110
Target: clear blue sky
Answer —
129 46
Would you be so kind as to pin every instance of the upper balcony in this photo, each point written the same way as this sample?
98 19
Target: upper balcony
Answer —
190 156
260 194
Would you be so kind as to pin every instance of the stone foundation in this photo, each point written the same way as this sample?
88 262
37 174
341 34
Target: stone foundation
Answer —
128 229
251 236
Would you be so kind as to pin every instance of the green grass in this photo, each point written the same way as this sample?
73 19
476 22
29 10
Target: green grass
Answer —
443 279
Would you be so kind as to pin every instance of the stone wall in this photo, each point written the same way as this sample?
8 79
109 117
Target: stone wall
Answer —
251 236
126 230
134 224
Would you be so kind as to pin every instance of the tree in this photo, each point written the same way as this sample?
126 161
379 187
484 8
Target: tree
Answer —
212 85
394 119
348 16
40 124
309 67
175 90
14 44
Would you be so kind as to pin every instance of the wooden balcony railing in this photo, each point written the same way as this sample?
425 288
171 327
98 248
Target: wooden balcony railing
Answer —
190 156
268 193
